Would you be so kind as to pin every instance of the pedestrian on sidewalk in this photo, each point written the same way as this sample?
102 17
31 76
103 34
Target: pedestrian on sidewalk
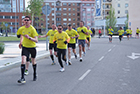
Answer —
110 33
62 39
82 31
89 37
28 46
72 43
121 32
100 33
51 44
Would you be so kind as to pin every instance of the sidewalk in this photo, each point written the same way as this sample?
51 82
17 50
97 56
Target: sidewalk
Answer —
12 54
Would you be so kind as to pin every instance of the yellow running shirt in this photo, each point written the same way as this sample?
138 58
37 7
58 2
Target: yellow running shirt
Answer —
121 32
128 31
89 33
27 31
51 34
137 31
72 33
60 38
82 36
109 31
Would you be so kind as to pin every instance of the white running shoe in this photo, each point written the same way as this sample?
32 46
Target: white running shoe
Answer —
62 70
81 59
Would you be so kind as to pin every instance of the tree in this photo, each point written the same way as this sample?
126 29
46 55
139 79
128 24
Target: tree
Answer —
35 8
5 28
126 22
111 19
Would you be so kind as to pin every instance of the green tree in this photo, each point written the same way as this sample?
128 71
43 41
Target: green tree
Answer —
126 22
34 8
111 19
4 28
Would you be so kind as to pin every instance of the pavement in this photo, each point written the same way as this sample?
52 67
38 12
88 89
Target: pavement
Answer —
107 68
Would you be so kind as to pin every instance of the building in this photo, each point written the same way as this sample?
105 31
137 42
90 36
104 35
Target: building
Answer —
87 12
134 18
11 11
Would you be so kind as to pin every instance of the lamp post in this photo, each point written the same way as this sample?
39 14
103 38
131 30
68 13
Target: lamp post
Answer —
104 18
54 12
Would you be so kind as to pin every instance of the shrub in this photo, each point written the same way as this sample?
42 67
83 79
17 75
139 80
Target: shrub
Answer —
2 46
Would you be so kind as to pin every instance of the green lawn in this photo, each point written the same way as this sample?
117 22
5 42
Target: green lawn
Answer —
14 39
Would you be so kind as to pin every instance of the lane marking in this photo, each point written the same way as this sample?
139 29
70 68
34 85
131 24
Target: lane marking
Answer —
109 50
84 75
101 58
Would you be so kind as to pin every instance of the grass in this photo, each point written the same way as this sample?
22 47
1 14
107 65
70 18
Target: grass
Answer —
10 38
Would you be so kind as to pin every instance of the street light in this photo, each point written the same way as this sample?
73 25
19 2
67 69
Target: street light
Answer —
104 18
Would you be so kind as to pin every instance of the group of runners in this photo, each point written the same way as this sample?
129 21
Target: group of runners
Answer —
59 41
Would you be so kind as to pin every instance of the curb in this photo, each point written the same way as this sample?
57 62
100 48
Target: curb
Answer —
18 63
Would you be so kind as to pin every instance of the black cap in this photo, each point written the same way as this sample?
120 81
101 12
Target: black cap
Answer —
69 25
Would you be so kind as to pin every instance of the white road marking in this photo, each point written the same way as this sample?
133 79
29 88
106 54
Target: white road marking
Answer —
109 50
101 58
84 75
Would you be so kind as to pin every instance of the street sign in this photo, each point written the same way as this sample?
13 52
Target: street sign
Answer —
11 27
6 25
48 10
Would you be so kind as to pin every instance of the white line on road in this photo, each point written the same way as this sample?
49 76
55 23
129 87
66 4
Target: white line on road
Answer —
84 75
109 50
101 58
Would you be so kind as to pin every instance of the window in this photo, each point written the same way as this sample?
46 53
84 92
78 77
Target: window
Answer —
52 4
107 6
84 14
58 24
78 14
107 12
88 19
118 5
78 9
65 24
87 4
78 4
1 17
89 24
77 24
52 8
7 17
64 14
73 4
13 23
73 14
73 19
92 9
64 4
52 19
48 19
64 9
88 14
92 14
41 23
118 11
92 4
58 14
73 9
69 19
84 9
48 24
69 4
126 11
64 19
83 4
88 9
126 5
52 14
69 14
58 19
78 19
73 24
58 9
58 3
9 23
69 9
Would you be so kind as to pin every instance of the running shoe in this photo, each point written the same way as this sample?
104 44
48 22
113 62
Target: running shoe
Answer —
84 53
26 72
75 56
34 78
22 80
53 63
81 60
62 70
70 63
67 63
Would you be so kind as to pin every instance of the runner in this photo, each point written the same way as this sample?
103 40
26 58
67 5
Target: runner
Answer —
121 32
137 33
100 33
110 33
72 43
89 37
128 33
82 31
62 39
51 44
28 60
28 46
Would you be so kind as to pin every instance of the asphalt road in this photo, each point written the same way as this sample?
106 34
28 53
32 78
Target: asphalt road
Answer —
106 69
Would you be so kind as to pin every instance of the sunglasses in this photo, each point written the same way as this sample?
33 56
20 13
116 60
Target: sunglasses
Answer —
26 20
59 28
